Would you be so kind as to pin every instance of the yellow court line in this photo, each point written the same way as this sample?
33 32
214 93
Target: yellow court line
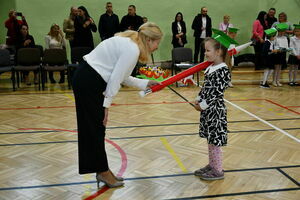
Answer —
174 155
67 95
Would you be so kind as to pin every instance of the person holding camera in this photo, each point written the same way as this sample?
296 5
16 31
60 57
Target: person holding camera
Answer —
84 24
13 26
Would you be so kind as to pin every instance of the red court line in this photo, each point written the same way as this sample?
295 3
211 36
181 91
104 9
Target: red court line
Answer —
163 102
121 151
293 106
272 102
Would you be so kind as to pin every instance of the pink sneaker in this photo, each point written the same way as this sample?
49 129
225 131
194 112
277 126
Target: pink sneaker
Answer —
200 171
212 175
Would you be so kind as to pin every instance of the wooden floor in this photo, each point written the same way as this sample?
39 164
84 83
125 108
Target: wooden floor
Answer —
153 143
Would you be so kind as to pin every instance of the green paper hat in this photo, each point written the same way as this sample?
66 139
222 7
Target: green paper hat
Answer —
233 30
297 26
282 26
271 31
221 37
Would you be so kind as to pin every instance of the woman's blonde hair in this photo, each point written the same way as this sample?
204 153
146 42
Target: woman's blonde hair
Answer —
53 34
147 31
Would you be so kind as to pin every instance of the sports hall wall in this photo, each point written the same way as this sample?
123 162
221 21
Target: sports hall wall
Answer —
41 14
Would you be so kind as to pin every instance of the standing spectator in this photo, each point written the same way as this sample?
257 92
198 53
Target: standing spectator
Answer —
271 17
24 40
202 29
294 58
269 54
179 31
282 18
13 26
145 19
55 40
108 23
223 26
131 21
259 25
282 45
68 26
84 24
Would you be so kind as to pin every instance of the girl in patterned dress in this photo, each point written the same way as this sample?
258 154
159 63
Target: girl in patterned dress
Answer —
210 102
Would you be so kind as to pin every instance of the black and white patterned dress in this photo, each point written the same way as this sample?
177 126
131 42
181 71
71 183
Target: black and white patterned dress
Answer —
213 117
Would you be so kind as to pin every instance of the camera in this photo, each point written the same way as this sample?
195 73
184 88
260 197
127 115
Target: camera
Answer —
19 14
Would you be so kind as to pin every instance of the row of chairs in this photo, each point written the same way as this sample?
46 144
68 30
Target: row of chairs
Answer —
35 59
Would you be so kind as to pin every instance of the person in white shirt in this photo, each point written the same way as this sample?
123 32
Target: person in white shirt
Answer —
294 58
282 45
55 40
223 26
97 81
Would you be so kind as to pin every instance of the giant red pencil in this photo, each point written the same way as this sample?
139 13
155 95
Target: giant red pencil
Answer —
189 71
176 77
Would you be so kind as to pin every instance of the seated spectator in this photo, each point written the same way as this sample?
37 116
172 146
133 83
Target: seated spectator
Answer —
55 40
223 26
24 40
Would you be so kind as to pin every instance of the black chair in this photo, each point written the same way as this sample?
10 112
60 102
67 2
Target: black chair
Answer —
182 58
6 65
28 59
77 54
53 60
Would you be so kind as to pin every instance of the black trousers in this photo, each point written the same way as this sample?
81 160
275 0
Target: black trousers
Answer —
88 87
258 55
199 46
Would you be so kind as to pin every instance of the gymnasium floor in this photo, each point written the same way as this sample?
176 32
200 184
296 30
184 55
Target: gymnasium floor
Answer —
153 142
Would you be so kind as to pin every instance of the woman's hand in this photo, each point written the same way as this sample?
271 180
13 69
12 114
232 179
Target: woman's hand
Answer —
105 117
197 106
153 82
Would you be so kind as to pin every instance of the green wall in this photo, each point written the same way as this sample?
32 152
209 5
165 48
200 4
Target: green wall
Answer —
5 6
41 14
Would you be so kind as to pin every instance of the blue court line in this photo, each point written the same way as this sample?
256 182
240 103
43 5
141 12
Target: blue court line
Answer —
140 178
138 137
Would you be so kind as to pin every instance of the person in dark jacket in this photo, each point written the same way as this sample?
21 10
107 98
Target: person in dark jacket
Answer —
131 21
24 40
108 23
179 31
202 29
84 24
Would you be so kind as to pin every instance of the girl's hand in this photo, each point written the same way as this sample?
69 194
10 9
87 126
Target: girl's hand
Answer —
197 106
105 117
153 82
298 57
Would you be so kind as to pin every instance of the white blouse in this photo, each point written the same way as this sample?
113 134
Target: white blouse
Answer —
114 59
52 43
295 45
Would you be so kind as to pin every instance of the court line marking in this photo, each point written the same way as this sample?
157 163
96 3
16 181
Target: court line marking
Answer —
173 154
134 137
145 178
264 121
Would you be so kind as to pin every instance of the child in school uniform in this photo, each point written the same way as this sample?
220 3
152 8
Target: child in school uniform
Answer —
210 102
294 58
268 55
231 32
282 45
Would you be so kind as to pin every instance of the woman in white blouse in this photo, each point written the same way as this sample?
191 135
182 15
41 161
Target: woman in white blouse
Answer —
55 40
96 82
